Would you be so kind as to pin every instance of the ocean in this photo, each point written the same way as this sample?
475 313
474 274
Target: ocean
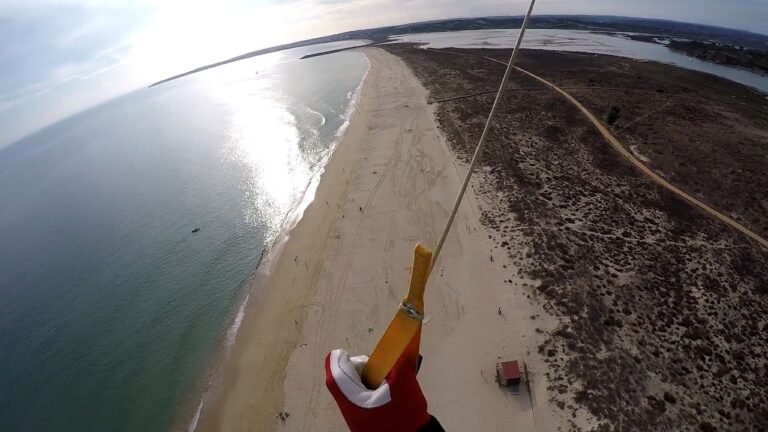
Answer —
111 307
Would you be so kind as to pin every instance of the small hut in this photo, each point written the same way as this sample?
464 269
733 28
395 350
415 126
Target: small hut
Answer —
508 373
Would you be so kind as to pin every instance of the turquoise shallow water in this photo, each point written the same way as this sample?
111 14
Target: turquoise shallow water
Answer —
110 307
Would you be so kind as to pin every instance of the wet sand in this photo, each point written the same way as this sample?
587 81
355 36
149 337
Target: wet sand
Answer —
337 283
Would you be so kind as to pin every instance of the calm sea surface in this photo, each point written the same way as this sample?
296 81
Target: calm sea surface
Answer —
111 308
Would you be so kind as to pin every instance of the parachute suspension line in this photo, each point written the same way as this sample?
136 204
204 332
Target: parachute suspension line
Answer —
402 337
481 143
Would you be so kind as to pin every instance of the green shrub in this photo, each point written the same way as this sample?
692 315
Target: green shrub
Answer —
613 115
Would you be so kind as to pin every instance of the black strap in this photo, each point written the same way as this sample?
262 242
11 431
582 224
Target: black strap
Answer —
432 426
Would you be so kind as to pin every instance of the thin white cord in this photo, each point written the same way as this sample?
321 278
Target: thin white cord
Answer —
481 143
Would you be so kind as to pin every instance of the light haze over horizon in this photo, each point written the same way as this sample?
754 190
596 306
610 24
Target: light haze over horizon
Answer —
69 55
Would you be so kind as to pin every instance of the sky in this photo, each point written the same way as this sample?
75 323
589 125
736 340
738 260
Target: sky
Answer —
59 57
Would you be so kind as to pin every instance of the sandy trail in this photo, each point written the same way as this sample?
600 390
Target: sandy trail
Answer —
346 266
619 147
622 150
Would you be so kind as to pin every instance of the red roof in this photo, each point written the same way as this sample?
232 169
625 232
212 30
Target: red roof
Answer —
509 370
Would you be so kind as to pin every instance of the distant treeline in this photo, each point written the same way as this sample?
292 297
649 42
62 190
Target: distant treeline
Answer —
724 54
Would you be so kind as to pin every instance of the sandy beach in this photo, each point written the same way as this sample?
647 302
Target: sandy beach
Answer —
346 265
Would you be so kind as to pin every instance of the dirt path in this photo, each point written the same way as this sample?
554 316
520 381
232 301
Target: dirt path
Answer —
619 147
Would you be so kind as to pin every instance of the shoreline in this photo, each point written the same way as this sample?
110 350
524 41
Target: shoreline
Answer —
189 420
310 208
296 372
664 55
476 313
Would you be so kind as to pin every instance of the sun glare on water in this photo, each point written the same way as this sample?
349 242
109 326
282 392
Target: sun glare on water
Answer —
261 132
263 139
186 35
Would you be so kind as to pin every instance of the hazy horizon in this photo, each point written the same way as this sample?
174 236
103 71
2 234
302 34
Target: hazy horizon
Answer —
90 51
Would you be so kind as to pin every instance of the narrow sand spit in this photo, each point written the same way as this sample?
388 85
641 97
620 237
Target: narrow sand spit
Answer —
346 266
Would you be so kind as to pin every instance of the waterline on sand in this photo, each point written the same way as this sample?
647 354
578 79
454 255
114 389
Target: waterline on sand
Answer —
270 256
